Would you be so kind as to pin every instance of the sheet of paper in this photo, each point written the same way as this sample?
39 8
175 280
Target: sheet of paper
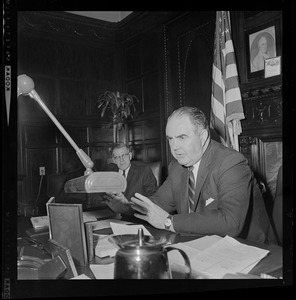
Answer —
82 276
94 215
103 271
226 256
203 242
250 267
102 224
119 229
87 217
191 248
105 248
40 222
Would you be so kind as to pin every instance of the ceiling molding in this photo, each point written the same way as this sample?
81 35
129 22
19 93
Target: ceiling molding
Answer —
109 16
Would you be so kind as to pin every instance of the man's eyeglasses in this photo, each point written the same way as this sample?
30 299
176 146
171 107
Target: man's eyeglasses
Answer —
120 157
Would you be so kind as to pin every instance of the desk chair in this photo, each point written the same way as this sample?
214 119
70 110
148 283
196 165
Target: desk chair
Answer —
56 182
275 232
156 168
55 188
277 211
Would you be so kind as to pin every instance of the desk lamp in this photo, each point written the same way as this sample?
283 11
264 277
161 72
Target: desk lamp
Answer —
90 182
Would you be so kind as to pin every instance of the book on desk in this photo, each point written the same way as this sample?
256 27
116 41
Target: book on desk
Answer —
66 227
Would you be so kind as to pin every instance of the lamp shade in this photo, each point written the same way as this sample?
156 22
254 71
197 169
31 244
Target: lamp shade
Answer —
24 84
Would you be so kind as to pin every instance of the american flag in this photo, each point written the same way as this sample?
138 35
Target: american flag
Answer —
226 100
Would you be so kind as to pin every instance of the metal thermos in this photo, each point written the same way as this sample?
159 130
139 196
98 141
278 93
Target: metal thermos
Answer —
144 257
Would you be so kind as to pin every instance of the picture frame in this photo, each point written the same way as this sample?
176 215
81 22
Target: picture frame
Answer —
262 42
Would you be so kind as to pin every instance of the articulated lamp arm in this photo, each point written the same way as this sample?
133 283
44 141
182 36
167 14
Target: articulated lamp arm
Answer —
25 86
90 182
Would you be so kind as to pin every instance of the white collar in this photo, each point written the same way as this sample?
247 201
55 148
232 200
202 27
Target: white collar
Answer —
195 169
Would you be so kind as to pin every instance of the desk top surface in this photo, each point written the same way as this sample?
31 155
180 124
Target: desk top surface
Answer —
271 264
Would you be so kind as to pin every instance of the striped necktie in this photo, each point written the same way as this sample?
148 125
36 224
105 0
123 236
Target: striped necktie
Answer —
191 189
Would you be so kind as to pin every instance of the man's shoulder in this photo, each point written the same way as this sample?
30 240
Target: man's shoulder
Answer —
218 150
174 166
139 166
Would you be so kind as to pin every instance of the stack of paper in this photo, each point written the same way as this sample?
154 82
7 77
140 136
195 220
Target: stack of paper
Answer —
213 257
94 215
40 222
103 224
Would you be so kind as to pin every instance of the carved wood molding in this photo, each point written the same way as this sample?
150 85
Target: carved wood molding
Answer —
263 113
60 23
262 92
245 142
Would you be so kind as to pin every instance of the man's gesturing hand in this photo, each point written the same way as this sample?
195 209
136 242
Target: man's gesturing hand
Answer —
148 211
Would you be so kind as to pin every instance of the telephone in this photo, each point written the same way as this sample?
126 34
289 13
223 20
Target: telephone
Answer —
35 262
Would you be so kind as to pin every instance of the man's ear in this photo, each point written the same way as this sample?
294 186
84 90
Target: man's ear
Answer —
130 155
204 136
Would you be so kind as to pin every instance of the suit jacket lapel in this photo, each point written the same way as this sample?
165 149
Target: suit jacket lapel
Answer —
202 175
183 190
129 177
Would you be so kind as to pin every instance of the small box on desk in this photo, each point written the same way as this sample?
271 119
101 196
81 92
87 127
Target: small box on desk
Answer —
67 228
65 253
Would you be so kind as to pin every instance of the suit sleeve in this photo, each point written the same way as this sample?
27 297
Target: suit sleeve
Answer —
232 184
164 196
149 182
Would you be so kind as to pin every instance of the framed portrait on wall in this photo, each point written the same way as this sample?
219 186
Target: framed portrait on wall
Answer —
262 46
262 42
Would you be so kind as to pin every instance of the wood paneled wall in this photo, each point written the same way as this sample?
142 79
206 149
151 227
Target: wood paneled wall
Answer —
164 58
72 61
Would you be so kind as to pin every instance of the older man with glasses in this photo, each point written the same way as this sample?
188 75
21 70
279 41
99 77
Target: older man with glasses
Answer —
140 178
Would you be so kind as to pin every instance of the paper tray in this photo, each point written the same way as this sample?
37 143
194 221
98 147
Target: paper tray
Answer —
97 182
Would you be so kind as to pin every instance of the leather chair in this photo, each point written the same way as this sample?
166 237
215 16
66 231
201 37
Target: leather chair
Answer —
156 168
277 211
275 232
55 187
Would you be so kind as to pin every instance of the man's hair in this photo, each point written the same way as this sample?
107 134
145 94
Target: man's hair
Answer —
196 116
119 146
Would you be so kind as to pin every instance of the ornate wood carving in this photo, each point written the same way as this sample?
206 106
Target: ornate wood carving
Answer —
64 24
263 108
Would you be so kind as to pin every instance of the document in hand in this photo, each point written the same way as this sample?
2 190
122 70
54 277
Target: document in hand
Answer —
225 255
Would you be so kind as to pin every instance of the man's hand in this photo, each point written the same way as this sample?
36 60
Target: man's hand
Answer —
148 211
117 202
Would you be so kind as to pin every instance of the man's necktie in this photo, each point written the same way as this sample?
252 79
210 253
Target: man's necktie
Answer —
191 189
123 173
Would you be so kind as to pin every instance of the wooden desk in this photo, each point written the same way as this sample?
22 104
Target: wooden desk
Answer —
271 264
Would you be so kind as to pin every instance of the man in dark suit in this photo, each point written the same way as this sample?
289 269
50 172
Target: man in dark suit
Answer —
139 178
226 197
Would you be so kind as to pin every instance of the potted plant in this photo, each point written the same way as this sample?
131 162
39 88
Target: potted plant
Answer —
120 105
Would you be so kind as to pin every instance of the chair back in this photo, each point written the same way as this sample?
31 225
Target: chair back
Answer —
277 211
156 168
56 182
